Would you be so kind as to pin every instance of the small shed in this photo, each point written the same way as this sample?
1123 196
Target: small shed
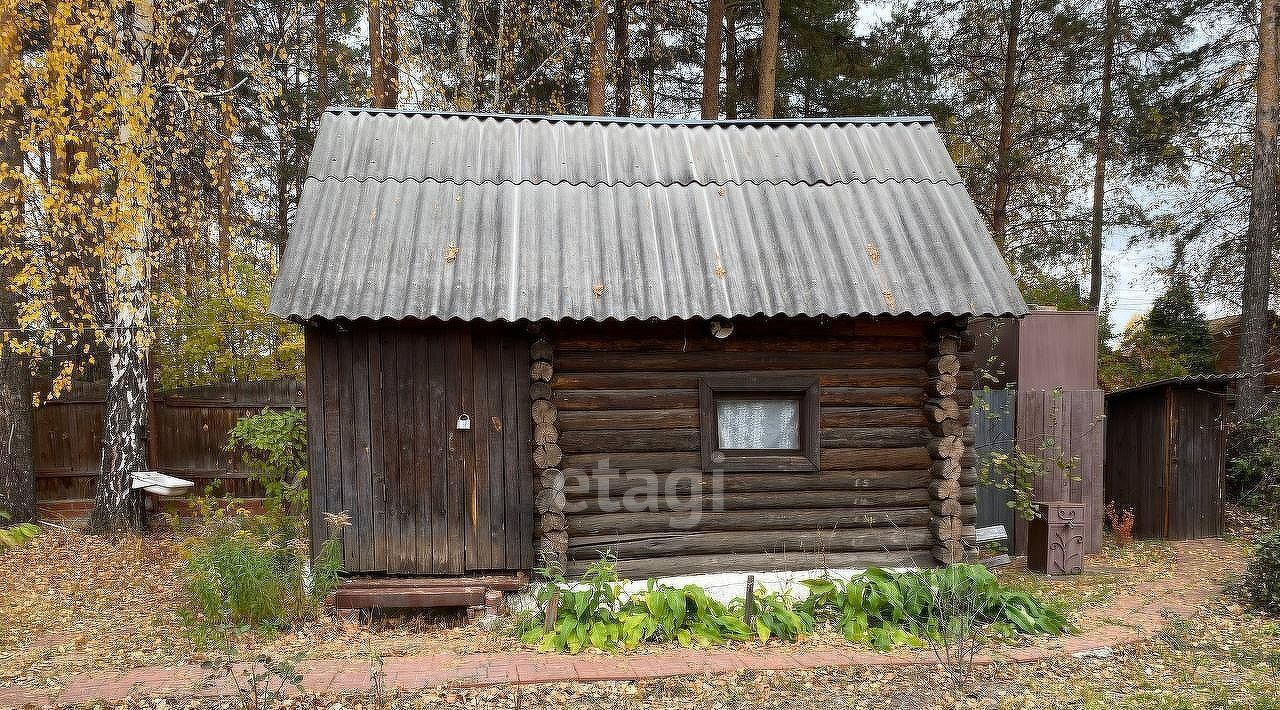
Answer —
699 346
1166 455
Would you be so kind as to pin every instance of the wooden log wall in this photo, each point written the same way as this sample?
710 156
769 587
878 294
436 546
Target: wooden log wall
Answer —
953 479
549 501
627 394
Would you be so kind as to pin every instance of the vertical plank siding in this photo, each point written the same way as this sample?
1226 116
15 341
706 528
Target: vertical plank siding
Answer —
627 394
189 432
1073 423
1166 454
423 496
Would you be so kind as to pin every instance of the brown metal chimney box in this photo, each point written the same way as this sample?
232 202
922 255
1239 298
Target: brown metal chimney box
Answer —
1055 539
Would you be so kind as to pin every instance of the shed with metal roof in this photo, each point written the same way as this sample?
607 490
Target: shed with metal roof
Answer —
696 346
1166 454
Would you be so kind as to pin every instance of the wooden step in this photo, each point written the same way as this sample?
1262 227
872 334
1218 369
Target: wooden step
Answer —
421 592
408 597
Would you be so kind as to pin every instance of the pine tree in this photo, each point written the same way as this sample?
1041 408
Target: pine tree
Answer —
1178 323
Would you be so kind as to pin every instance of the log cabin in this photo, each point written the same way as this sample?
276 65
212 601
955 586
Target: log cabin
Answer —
696 346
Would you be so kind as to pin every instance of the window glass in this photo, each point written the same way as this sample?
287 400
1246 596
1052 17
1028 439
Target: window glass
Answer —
758 423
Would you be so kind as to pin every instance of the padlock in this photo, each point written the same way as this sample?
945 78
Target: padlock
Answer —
464 421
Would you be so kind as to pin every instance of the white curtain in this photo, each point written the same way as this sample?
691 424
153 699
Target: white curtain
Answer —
758 423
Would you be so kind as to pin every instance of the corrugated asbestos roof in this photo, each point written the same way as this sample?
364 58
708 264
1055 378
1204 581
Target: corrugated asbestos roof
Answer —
514 217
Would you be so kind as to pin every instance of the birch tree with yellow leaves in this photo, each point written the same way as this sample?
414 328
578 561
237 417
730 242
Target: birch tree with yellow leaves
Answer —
87 179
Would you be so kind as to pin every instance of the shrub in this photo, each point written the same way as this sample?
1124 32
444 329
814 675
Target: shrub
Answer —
1254 447
242 570
1261 584
273 447
15 535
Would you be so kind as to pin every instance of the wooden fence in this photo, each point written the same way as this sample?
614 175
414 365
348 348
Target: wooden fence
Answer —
1072 422
188 438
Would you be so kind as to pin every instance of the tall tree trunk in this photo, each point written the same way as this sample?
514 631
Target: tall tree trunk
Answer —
466 98
1004 145
116 507
1256 295
17 473
227 128
622 59
1112 22
711 58
731 62
391 53
651 84
768 58
377 63
599 54
321 59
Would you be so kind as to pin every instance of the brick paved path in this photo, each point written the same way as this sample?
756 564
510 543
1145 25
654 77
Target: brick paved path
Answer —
1126 619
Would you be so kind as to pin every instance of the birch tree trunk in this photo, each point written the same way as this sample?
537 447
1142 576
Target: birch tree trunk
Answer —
1256 295
17 475
116 507
1004 145
227 127
768 58
595 74
466 98
711 59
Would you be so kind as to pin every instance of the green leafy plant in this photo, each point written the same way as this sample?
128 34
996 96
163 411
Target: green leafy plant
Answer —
241 570
594 612
1261 583
273 448
15 535
887 609
775 615
1253 475
260 683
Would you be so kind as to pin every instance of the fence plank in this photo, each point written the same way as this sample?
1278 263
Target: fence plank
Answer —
190 426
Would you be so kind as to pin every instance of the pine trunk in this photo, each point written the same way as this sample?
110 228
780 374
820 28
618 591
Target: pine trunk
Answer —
731 63
17 475
595 73
1100 154
768 58
377 64
321 58
711 59
622 59
1004 145
116 507
390 54
1255 296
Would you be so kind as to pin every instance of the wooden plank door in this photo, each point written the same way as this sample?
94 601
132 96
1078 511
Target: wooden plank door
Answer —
479 476
424 497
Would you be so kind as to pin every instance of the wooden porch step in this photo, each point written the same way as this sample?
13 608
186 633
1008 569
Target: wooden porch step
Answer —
421 592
